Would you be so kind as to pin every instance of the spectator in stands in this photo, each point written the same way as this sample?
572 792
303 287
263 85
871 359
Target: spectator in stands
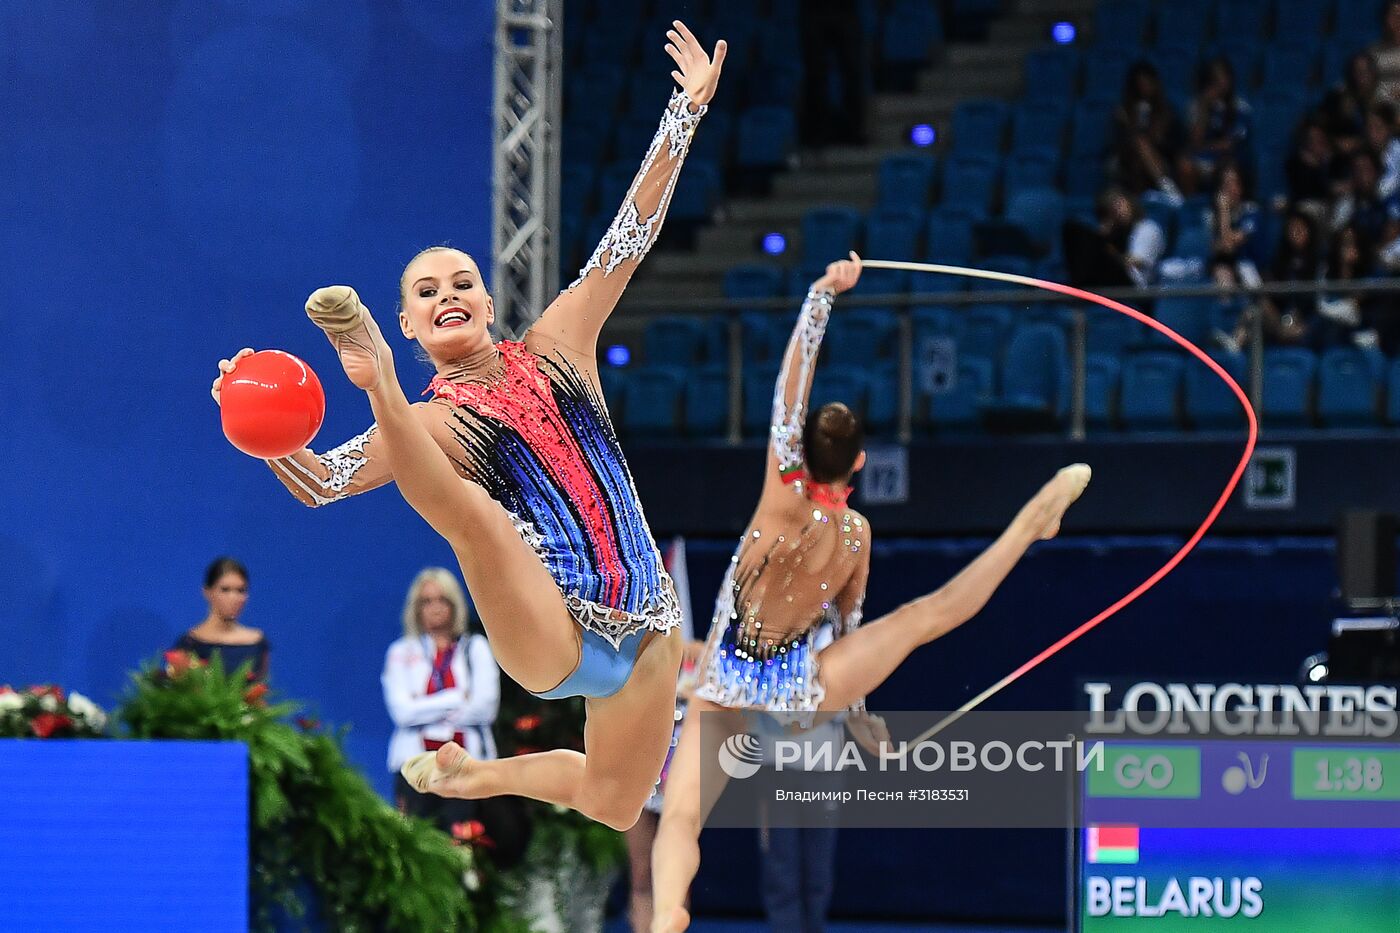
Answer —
1381 143
1287 318
226 591
1310 171
1123 248
1234 228
1346 317
1345 107
833 41
1360 204
1220 127
1147 134
1386 52
441 684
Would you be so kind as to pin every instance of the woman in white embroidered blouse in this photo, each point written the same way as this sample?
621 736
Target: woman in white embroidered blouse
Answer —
441 684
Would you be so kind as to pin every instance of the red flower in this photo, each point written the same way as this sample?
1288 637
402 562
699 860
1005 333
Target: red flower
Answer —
526 750
6 688
253 696
308 724
526 723
473 833
47 690
177 662
45 724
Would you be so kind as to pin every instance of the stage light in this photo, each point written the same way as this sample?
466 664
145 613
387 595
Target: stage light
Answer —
774 244
923 134
1063 33
618 355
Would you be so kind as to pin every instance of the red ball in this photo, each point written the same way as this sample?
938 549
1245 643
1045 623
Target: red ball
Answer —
271 404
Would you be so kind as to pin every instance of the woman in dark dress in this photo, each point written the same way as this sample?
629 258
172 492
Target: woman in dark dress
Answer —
226 590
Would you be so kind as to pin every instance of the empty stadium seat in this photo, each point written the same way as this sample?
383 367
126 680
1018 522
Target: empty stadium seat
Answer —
1035 380
828 233
1051 75
653 401
1040 126
948 238
893 233
1242 19
1102 374
981 330
1121 23
1040 212
862 334
753 281
909 33
1110 333
697 192
958 409
970 182
1299 17
1105 70
765 137
714 138
1151 391
1183 23
978 126
1209 402
1347 389
906 181
1189 317
1288 386
882 399
845 384
759 382
1031 167
1089 130
1358 22
674 341
707 402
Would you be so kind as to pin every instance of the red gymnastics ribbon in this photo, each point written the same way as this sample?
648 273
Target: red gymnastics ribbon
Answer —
1191 542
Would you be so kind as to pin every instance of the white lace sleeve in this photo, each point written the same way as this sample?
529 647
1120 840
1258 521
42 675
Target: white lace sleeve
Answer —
318 480
795 382
635 229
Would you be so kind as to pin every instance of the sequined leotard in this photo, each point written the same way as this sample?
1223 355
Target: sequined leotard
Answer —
537 436
801 562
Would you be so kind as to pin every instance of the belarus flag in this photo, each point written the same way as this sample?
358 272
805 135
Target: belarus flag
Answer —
1113 845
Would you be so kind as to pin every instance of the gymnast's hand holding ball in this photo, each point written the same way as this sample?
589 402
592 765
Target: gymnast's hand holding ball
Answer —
270 402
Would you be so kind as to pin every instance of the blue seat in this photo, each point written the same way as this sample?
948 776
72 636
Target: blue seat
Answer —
892 233
761 340
1035 377
865 334
978 126
981 331
1109 333
828 233
707 402
781 84
948 237
844 384
697 191
1120 23
576 186
1243 18
1084 176
753 281
614 383
1151 390
906 181
1288 385
713 139
1051 75
1039 126
632 135
674 341
1358 22
1300 17
653 400
882 398
759 382
1189 317
1176 65
1392 394
584 142
765 137
614 182
1102 374
970 182
1183 22
958 408
909 33
1031 167
1105 70
1347 390
1336 52
1040 212
1016 265
1089 132
1290 64
1209 402
1243 52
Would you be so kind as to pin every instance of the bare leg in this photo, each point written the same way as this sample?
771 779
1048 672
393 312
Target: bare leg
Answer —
532 635
639 841
853 666
625 741
676 854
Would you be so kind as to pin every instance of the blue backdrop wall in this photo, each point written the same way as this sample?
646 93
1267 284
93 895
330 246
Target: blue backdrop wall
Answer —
175 178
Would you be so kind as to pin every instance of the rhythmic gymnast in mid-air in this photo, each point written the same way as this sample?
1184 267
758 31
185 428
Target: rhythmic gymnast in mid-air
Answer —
805 558
515 462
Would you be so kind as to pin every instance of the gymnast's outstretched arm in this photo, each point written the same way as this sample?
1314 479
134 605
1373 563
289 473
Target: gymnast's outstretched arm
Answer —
785 464
356 466
573 321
